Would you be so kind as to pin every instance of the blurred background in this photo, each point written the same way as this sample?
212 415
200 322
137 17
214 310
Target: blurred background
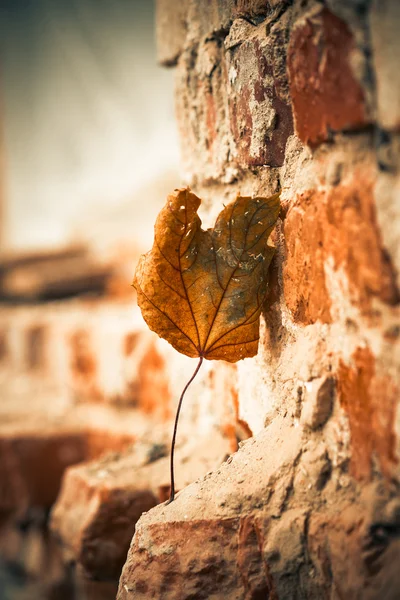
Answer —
87 118
88 153
88 143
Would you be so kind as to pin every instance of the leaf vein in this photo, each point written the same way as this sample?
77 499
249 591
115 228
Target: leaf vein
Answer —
163 255
235 344
244 323
167 317
170 286
184 285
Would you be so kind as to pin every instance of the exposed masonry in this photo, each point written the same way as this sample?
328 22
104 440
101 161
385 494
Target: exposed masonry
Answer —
302 96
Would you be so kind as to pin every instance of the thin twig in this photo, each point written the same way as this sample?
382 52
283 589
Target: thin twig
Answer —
172 494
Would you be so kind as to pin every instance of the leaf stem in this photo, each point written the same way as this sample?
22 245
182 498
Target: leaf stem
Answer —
172 494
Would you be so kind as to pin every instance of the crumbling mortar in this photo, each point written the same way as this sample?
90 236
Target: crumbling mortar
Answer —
290 489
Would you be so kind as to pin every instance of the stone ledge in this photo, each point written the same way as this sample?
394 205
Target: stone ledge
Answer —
100 501
256 528
177 547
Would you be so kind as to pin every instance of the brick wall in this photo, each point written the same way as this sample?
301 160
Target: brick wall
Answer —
303 96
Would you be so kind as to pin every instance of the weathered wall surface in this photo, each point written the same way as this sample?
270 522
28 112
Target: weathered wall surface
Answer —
84 381
302 96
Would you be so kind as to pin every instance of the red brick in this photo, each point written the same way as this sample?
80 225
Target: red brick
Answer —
201 551
370 403
96 523
152 391
32 466
130 342
305 290
338 223
83 364
36 347
40 438
326 94
36 450
233 105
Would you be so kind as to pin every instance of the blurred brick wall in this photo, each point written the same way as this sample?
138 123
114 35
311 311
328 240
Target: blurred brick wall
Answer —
303 96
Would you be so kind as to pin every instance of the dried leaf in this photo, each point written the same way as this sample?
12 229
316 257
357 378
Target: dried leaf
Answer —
203 290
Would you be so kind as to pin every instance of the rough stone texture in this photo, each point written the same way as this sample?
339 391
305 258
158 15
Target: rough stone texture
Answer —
258 8
317 400
207 19
232 100
182 24
260 111
207 510
255 528
353 550
100 502
201 81
309 507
